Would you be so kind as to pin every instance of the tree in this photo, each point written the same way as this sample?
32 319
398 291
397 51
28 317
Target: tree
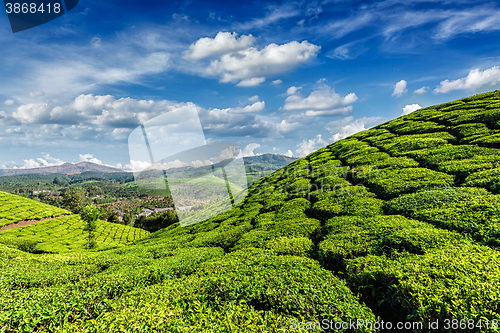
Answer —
128 219
74 199
90 214
113 218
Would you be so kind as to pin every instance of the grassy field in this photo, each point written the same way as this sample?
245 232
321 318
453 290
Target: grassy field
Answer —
398 223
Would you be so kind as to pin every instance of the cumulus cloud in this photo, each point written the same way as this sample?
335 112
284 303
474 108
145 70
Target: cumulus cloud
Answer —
474 80
276 82
89 158
343 128
322 102
255 107
46 161
308 146
292 90
224 42
9 102
104 118
136 166
254 63
421 91
249 149
410 108
94 110
253 99
253 82
289 153
400 88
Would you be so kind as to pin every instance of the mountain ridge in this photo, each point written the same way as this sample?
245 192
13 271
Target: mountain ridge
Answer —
65 168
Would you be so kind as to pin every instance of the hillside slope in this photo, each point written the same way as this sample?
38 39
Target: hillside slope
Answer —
397 223
57 230
14 209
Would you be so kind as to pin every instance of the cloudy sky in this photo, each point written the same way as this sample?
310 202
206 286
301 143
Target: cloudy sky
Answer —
273 77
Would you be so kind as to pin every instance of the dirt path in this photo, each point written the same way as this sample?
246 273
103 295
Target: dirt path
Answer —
27 222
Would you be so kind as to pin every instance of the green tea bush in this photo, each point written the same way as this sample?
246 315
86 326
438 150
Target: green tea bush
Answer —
352 237
417 127
470 129
363 206
284 284
489 179
461 282
403 144
492 141
297 246
471 211
389 183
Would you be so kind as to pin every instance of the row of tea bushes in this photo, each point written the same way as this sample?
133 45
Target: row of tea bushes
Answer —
245 291
470 211
66 234
412 270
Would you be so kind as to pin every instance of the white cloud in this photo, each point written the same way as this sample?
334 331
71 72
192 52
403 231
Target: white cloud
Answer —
348 51
253 63
343 128
47 161
254 99
308 146
323 101
200 163
400 88
276 14
224 42
276 82
286 126
14 130
89 158
410 108
37 93
104 111
474 80
255 107
31 113
85 72
292 90
249 149
9 102
421 91
136 166
95 42
469 21
253 82
289 153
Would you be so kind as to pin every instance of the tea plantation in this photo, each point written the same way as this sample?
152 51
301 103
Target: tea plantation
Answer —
399 223
15 209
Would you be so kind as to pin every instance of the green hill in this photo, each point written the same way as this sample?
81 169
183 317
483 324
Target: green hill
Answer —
59 231
397 223
14 209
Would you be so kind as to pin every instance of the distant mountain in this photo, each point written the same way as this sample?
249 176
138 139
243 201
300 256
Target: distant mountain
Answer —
271 161
66 168
274 159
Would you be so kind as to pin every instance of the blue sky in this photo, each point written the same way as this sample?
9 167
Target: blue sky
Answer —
273 77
